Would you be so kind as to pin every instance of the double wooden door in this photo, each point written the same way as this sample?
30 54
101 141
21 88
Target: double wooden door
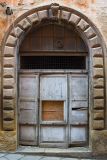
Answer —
53 109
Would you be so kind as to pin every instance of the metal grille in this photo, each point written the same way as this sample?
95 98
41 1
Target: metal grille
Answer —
52 62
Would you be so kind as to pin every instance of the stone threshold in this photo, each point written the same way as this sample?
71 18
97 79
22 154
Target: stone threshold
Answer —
83 152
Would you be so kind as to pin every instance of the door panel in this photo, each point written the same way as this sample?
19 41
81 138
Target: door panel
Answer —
27 135
53 111
78 109
79 88
28 86
53 87
79 117
28 109
51 134
78 135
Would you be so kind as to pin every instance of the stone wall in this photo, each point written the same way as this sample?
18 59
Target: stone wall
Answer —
96 11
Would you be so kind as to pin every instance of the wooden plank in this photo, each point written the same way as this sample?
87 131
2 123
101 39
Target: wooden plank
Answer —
52 105
78 104
52 116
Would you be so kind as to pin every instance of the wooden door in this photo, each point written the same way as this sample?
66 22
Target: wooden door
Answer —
78 109
28 109
53 111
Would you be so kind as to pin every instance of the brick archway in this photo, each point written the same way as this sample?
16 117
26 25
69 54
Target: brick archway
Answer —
11 44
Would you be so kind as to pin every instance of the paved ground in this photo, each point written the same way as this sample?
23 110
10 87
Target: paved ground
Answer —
7 156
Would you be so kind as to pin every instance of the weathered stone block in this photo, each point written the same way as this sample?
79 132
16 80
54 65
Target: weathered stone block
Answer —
8 140
89 33
98 72
8 114
98 103
8 93
9 62
17 32
99 142
54 12
8 125
11 41
8 104
98 115
97 52
43 14
8 72
98 93
94 42
74 19
98 124
8 82
98 62
33 18
9 51
98 82
24 24
83 25
65 15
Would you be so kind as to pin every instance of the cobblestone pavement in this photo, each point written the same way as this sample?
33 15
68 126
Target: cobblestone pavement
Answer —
10 156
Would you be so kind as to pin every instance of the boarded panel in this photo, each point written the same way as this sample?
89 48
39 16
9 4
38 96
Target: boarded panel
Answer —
53 88
52 110
53 134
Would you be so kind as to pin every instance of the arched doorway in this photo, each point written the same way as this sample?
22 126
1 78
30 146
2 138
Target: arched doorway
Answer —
53 92
10 49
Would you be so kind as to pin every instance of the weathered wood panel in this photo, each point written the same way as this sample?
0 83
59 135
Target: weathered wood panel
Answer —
27 133
28 109
78 109
79 117
53 134
53 37
79 87
28 86
53 87
53 120
78 135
